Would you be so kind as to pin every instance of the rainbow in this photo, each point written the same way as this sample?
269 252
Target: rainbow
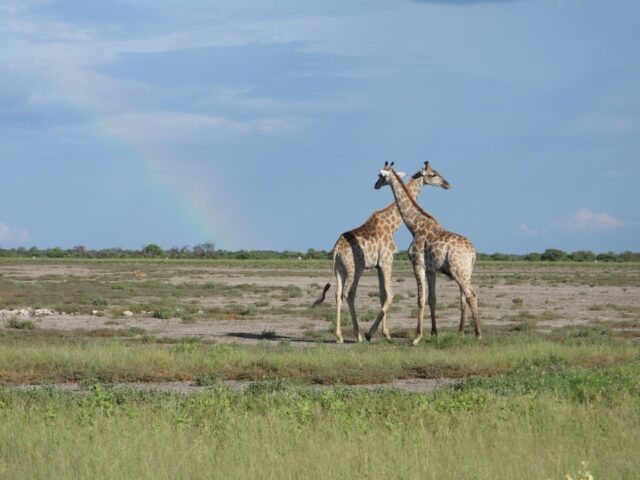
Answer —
189 200
200 208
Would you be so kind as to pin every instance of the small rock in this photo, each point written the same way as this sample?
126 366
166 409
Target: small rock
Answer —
127 313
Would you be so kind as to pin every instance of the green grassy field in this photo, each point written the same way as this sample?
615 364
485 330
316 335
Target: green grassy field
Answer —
525 402
532 422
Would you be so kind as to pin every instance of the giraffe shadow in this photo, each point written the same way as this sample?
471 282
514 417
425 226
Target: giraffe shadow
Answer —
275 338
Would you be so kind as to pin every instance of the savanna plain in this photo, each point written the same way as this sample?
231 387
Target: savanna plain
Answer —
221 369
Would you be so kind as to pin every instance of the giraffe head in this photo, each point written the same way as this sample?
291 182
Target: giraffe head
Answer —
385 175
431 177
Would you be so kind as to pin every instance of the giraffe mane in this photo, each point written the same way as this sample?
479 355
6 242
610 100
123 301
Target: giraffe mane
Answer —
412 200
393 204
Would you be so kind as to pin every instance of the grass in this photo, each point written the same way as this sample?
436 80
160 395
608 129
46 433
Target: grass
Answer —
164 314
275 430
233 311
268 334
38 358
524 321
529 403
20 324
291 291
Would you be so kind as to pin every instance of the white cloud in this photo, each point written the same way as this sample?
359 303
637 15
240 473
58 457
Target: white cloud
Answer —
586 220
527 230
176 126
246 98
12 234
49 30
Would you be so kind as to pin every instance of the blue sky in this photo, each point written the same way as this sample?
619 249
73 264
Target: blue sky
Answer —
262 125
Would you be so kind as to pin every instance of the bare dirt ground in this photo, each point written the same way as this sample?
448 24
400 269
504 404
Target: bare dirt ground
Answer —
247 303
419 385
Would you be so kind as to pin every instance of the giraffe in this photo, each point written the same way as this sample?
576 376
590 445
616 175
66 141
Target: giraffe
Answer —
368 246
433 250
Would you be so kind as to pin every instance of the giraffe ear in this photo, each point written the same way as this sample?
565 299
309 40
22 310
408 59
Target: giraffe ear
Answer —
401 174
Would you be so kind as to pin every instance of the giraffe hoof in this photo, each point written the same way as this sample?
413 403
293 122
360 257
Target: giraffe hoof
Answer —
340 340
416 341
367 336
386 335
359 338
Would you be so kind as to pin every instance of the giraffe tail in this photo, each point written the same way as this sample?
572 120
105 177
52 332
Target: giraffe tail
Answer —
322 296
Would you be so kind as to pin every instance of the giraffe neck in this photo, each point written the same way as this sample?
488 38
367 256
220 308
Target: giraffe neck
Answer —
415 187
391 214
412 215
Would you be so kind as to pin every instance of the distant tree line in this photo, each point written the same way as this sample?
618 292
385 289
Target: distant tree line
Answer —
556 255
209 251
152 250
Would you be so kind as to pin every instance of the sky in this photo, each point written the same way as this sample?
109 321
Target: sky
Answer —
263 125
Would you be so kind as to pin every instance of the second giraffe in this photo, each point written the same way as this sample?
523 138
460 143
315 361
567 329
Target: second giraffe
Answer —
368 246
433 250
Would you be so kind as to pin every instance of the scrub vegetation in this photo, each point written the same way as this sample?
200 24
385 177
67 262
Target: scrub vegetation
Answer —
553 389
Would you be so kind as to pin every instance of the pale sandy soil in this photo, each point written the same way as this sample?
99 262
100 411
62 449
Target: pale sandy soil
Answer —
556 296
408 385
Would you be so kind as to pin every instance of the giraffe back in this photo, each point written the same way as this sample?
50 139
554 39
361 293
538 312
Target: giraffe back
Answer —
444 251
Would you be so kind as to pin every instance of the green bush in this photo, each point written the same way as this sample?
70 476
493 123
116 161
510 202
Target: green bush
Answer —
553 255
20 324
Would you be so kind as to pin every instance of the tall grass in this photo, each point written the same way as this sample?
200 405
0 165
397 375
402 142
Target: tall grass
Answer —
279 433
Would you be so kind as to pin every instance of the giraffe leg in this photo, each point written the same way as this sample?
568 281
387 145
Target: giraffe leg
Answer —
340 274
351 301
386 297
418 270
431 281
463 312
369 335
472 301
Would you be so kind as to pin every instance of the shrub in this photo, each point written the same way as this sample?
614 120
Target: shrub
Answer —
163 314
20 324
268 334
553 255
152 250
